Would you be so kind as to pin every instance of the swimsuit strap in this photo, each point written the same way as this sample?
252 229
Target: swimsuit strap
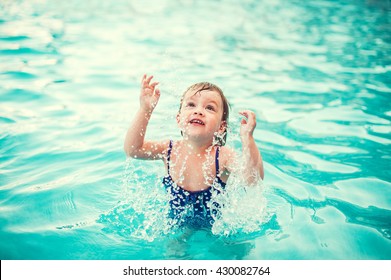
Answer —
217 161
168 157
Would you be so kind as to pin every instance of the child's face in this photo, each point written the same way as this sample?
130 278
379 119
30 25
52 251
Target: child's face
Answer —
201 114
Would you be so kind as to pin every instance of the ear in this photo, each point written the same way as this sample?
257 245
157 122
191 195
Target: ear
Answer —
178 119
178 122
223 127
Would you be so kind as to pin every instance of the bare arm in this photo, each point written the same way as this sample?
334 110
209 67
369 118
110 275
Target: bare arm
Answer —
249 166
135 145
251 155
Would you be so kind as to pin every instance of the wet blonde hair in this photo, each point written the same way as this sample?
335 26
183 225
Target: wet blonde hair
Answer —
220 141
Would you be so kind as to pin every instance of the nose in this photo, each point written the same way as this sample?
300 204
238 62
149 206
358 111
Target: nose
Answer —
198 111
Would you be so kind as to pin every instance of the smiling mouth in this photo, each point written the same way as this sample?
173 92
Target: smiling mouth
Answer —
197 121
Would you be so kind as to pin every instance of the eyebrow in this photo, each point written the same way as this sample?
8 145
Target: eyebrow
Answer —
213 102
209 100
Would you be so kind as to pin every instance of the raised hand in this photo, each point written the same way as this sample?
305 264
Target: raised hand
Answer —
149 94
248 123
253 162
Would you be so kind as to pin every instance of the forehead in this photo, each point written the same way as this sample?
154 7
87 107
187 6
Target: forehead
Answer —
207 94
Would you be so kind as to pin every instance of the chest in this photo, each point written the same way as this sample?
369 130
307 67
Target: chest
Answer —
193 172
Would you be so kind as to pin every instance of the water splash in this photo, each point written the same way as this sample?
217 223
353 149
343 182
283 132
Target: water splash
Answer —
243 208
143 211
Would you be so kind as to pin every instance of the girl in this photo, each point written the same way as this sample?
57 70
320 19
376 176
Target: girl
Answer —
198 165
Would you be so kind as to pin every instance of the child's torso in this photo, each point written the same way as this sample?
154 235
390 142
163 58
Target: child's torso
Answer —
192 171
192 204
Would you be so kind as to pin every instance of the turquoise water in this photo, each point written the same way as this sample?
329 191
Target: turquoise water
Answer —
317 74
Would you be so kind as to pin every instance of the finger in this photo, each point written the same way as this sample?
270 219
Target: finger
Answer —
143 78
148 80
247 113
154 84
244 113
243 121
249 117
252 121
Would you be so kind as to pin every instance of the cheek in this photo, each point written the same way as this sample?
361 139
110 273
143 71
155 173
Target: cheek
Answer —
181 120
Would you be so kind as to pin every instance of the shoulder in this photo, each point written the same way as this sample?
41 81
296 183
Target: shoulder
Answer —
227 156
226 151
164 146
155 149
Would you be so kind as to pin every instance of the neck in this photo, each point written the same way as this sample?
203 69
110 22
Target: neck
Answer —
197 147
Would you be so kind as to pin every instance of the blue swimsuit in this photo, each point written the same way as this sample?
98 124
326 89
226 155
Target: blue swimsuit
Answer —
192 208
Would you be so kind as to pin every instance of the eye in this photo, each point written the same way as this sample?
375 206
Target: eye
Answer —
210 108
190 104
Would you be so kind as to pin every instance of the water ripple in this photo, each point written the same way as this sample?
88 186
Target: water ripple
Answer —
374 217
315 73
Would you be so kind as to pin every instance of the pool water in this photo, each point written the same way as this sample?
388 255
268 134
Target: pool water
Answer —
317 74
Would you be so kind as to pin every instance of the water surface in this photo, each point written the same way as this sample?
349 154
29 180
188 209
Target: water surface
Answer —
316 74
